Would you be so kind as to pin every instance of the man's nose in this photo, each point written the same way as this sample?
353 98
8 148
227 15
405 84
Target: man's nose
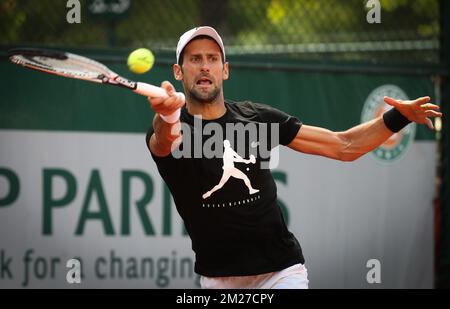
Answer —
204 65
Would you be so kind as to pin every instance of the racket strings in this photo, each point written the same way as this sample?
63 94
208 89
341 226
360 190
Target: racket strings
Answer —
73 65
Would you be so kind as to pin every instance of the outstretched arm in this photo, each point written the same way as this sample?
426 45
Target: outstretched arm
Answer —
361 139
166 135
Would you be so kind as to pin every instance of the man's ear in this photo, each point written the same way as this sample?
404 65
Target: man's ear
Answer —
225 72
177 72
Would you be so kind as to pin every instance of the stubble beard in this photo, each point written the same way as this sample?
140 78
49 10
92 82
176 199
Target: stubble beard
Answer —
204 97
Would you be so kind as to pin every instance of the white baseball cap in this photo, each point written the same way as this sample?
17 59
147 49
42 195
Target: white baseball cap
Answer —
195 32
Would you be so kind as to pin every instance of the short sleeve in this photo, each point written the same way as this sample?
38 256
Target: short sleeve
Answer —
288 125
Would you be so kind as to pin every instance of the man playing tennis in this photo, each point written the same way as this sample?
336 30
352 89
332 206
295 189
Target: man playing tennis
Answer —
238 235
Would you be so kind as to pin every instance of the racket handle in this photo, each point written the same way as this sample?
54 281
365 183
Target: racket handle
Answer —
150 90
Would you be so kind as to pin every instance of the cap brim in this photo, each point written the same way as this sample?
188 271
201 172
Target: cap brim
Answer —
207 31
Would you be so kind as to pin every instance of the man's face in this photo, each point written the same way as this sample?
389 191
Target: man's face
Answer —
202 71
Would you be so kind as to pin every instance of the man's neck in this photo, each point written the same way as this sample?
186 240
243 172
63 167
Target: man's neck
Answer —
208 111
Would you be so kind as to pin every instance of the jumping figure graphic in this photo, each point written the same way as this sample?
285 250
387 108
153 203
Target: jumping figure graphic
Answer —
229 157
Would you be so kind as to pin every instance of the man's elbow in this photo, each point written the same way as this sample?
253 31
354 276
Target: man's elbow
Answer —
346 151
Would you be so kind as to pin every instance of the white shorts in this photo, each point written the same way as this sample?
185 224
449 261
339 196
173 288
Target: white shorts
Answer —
294 277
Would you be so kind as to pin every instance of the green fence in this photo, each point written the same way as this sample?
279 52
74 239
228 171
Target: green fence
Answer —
408 31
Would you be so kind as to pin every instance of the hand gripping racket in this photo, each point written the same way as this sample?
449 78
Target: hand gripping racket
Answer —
79 67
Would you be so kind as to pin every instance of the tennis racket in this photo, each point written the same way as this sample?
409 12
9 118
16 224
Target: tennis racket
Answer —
79 67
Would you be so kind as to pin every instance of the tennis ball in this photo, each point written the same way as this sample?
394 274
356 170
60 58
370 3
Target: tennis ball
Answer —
140 60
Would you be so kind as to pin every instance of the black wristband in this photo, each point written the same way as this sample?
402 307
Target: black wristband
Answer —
394 120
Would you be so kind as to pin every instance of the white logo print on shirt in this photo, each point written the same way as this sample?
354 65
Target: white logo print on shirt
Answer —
229 157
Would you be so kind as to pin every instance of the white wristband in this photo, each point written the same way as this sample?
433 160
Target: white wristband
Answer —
172 118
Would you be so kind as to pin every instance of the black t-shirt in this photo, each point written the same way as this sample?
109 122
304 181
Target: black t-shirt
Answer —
238 229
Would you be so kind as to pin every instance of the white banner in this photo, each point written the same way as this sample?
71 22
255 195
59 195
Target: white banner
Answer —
98 198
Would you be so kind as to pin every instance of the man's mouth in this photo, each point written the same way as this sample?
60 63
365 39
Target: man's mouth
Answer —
204 81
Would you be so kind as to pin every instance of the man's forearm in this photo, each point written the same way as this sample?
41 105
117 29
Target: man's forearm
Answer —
165 134
364 138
